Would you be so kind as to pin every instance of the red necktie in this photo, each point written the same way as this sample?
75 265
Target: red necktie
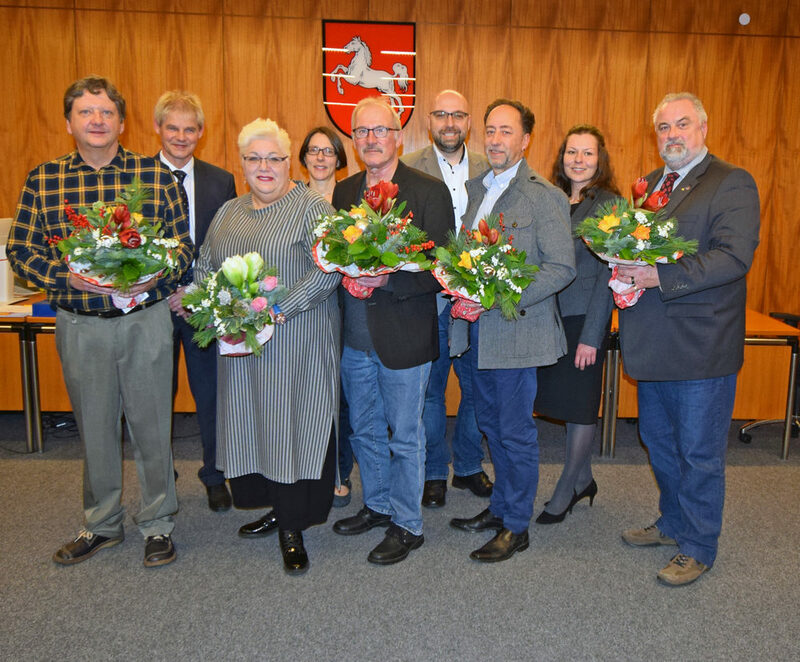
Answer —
669 182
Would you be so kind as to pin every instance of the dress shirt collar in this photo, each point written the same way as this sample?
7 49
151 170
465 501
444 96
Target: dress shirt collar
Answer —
685 170
188 168
503 179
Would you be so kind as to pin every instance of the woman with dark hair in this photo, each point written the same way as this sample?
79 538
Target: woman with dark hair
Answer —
570 390
322 154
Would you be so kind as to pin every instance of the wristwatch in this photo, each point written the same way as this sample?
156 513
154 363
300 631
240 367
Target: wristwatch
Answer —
280 318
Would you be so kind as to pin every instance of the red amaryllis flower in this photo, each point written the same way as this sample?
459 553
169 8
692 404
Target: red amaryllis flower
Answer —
638 190
129 238
122 217
655 201
381 196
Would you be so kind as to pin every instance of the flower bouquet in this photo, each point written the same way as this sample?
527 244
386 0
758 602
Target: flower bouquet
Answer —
372 239
635 232
233 304
114 246
483 266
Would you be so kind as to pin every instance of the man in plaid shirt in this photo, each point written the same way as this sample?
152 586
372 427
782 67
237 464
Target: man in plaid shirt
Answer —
114 362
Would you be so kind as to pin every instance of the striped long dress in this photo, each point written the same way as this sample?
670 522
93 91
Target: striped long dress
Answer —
275 411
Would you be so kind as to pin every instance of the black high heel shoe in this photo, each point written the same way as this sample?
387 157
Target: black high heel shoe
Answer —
590 492
549 518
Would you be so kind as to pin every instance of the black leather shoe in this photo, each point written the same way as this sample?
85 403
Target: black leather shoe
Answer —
433 494
85 546
395 546
364 520
295 558
479 484
481 522
501 547
219 499
158 550
261 527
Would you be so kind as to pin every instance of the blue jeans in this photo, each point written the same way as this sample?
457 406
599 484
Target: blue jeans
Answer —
467 438
392 470
345 458
684 425
504 406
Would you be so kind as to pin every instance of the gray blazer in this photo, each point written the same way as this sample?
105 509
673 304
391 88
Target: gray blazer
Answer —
589 293
537 214
425 159
693 326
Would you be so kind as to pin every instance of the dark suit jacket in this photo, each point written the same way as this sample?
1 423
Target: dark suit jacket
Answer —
589 293
213 187
693 327
401 316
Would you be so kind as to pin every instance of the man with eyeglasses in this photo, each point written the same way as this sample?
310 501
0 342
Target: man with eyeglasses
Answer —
178 119
449 159
390 340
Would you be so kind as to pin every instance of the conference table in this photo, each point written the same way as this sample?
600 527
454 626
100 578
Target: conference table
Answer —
31 380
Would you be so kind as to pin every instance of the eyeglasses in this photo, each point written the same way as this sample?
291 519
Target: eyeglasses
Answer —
327 151
254 161
458 116
362 132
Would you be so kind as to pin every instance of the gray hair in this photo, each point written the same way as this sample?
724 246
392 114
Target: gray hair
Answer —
702 115
264 129
381 103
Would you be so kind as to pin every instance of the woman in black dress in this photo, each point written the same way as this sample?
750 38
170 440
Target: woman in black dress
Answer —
570 390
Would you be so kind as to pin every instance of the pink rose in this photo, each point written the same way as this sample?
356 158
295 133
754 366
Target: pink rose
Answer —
258 304
269 283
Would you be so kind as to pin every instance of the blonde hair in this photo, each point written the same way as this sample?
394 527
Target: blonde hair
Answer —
264 129
181 101
381 103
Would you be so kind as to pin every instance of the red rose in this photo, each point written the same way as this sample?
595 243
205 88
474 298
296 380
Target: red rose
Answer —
638 189
122 217
129 238
381 196
655 201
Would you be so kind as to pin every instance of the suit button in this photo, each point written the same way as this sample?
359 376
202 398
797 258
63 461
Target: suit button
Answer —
514 224
522 313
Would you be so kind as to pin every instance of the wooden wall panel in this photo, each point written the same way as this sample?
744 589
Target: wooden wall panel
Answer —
188 53
741 126
38 57
793 18
582 14
453 12
158 6
350 10
767 17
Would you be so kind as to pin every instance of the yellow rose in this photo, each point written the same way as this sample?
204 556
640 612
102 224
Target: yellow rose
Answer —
137 218
608 222
357 212
351 233
362 224
465 261
641 232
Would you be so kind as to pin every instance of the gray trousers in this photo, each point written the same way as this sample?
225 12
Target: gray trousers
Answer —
115 366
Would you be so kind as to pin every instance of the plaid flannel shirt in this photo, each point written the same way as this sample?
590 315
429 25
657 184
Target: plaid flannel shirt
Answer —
40 216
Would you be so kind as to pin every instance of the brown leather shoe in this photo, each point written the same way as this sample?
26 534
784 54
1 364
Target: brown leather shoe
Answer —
649 536
85 546
483 521
433 494
479 484
158 550
681 570
501 547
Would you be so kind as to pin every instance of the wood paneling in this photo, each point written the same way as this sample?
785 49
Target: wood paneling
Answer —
37 65
767 17
195 63
158 6
350 10
11 374
453 12
582 14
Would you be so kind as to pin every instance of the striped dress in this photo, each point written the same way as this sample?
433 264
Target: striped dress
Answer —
275 411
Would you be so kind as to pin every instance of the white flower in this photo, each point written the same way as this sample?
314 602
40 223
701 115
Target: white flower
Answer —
191 287
225 297
642 245
641 218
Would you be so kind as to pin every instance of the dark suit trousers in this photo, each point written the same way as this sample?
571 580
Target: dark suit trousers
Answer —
201 366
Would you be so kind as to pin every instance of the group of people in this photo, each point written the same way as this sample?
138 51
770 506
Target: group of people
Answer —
358 367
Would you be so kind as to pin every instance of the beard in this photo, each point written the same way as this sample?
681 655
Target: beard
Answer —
676 154
449 144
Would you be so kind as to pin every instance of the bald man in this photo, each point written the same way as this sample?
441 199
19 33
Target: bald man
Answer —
449 160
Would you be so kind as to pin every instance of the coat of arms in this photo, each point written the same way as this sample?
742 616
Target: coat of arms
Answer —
367 59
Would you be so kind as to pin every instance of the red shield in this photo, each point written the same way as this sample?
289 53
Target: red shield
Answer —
367 59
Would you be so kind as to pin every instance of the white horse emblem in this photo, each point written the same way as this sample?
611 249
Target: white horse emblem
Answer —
359 72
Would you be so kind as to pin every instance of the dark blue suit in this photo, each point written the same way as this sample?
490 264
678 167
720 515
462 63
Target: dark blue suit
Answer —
213 187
